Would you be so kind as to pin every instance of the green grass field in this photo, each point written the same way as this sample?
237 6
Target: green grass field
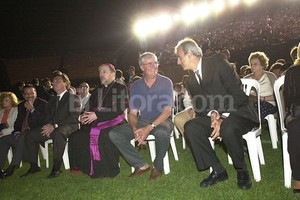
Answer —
181 183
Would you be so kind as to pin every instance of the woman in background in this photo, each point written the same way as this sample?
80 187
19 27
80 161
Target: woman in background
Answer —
258 62
291 95
8 116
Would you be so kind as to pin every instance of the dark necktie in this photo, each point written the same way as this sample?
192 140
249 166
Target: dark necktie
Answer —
57 101
25 125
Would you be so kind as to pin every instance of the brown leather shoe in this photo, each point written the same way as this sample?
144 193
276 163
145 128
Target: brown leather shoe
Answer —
154 174
139 171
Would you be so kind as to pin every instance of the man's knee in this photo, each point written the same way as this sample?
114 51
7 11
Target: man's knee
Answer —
177 119
228 130
189 128
112 135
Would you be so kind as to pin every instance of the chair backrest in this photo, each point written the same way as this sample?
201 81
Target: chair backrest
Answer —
252 85
279 100
176 103
126 114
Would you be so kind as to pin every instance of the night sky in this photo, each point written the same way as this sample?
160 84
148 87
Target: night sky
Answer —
43 27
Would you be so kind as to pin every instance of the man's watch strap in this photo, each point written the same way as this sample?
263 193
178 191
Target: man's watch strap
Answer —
153 125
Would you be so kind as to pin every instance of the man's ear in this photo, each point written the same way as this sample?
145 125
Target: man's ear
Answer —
190 54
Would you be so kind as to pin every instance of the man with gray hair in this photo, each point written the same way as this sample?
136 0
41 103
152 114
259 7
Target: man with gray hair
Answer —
215 90
150 106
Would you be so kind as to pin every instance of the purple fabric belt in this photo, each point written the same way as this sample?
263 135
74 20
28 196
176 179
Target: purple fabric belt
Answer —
94 136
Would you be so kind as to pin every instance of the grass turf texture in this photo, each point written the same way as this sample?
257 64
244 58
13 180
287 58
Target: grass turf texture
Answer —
182 182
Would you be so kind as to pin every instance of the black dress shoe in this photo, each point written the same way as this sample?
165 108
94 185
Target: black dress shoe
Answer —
10 170
54 173
213 178
32 170
243 180
2 174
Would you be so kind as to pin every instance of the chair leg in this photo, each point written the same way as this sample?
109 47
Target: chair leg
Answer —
272 129
47 154
173 146
166 163
260 151
10 155
44 154
39 161
152 149
183 142
66 157
253 154
133 144
229 159
286 161
176 132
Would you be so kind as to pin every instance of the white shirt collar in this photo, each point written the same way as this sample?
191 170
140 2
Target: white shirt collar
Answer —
61 94
199 69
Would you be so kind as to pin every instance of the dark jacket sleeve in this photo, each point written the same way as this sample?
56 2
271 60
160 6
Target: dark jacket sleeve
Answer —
39 116
20 117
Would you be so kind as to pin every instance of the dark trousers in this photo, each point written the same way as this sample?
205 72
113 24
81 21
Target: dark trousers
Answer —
121 136
198 131
294 147
16 143
5 143
59 137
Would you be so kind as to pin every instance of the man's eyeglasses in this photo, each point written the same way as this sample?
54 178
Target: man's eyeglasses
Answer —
151 64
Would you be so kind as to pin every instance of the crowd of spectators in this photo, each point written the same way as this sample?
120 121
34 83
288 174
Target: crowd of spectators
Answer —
242 30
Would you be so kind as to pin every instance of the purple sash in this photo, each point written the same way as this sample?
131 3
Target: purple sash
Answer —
94 136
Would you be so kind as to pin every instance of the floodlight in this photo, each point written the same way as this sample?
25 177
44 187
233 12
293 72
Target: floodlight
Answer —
249 2
189 14
218 6
234 3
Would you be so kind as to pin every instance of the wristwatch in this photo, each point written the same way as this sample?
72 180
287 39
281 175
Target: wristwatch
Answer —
153 126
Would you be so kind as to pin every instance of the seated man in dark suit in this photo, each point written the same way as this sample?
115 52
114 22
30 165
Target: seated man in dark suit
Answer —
63 113
215 89
32 114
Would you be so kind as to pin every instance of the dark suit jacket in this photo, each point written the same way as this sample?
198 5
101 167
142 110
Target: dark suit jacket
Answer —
67 112
220 89
35 119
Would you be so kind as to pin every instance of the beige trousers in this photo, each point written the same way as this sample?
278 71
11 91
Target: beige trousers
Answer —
180 119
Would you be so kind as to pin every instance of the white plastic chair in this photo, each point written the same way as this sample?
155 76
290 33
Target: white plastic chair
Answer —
281 110
175 95
252 137
176 132
45 152
151 142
